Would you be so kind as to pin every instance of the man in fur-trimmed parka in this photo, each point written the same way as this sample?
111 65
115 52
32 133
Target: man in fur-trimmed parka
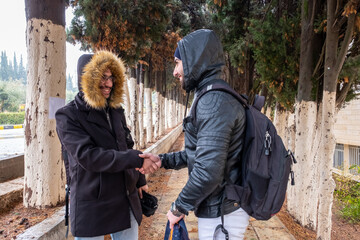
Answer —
101 163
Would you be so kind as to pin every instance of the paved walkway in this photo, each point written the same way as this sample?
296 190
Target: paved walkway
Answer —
272 229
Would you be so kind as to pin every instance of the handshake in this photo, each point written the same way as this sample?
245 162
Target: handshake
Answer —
152 162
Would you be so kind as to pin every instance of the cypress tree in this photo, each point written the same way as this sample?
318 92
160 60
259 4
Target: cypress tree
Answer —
4 71
15 70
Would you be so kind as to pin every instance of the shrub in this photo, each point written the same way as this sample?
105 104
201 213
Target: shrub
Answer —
347 192
12 118
352 211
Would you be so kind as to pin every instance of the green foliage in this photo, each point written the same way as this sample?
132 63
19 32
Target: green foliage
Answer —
12 71
352 211
70 95
12 94
350 74
125 27
12 118
4 67
231 24
69 83
188 16
347 193
356 167
276 50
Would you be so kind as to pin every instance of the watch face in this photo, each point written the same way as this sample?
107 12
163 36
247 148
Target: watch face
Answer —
173 207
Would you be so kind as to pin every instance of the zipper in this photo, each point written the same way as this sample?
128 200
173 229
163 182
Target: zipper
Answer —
108 117
267 143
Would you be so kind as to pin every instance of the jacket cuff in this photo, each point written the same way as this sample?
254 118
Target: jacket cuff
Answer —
142 181
180 209
136 155
162 159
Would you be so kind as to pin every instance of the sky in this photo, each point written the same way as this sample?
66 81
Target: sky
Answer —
12 34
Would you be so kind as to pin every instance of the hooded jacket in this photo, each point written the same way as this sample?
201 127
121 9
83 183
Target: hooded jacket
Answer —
101 162
214 140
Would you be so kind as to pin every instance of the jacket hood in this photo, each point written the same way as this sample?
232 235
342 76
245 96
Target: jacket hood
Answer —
92 68
202 56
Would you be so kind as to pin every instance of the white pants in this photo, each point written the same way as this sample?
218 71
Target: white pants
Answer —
235 223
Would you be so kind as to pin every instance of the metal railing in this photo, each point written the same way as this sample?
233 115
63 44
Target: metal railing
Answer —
339 157
354 158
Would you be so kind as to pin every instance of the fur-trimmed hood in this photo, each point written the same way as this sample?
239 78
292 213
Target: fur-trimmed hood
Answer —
92 74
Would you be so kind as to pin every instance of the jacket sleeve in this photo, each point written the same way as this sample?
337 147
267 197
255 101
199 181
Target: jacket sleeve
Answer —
217 114
174 160
142 181
79 144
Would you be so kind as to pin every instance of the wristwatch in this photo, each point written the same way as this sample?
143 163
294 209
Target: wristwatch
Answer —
174 210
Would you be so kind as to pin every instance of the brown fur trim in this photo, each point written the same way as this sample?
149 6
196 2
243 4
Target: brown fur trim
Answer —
93 73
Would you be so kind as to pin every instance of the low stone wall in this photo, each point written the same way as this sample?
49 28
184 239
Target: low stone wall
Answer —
11 168
10 192
51 228
164 144
54 228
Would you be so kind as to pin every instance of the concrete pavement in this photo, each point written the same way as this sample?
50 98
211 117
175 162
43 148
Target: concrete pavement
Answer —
272 229
53 228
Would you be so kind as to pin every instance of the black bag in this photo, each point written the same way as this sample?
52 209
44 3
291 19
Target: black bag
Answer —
149 204
266 164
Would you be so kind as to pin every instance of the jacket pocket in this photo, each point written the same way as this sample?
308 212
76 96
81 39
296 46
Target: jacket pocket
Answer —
89 186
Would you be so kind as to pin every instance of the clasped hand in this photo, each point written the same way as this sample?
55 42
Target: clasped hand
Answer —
151 163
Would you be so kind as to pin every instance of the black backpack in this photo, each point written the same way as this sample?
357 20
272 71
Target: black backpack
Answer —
266 164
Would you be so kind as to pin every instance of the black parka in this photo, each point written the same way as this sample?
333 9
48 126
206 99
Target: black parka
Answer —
101 163
214 140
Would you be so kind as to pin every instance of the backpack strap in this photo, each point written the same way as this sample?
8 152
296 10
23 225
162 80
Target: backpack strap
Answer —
221 226
217 87
65 158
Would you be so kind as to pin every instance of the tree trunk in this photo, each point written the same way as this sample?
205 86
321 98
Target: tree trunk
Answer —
45 40
311 199
300 196
148 100
334 61
167 109
173 108
141 107
134 108
280 121
290 132
127 97
157 106
162 103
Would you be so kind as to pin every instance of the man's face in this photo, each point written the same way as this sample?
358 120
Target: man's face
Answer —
106 83
179 71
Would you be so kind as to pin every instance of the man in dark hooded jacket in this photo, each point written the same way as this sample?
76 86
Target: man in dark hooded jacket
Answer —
213 141
100 161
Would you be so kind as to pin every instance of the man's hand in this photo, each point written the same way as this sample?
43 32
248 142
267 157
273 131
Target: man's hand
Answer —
143 188
173 219
151 163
